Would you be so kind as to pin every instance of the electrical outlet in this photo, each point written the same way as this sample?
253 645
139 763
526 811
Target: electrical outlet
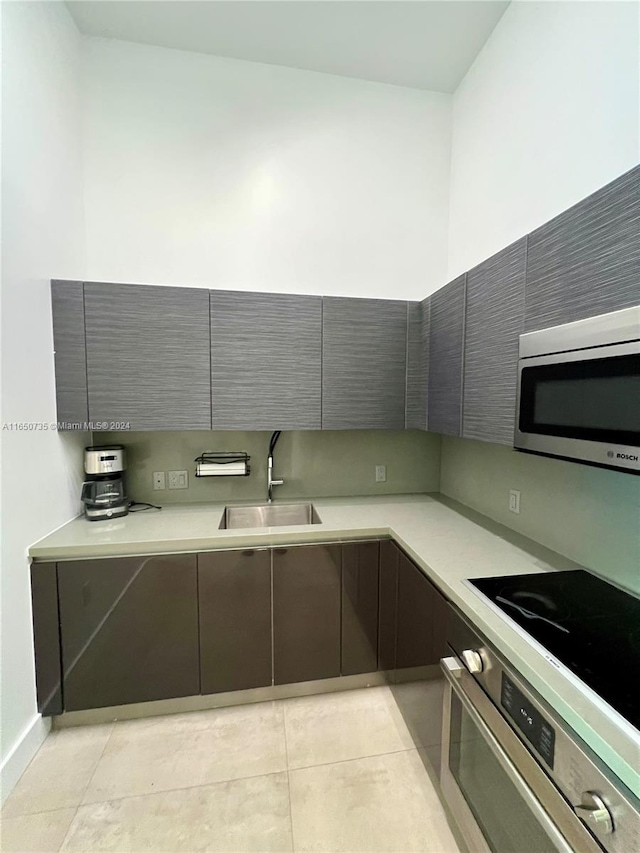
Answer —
159 481
178 480
514 501
381 473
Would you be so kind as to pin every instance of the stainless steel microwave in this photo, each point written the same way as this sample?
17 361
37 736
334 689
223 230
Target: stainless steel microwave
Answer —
579 391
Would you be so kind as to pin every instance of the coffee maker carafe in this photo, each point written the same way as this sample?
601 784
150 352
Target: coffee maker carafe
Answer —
103 492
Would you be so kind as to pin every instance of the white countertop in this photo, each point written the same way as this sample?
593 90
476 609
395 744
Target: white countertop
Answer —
449 543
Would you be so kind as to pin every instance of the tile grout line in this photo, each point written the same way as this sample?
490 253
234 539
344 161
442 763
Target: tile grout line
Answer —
66 835
286 752
95 769
359 758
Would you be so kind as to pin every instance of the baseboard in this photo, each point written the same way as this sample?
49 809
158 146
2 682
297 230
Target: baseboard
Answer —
21 754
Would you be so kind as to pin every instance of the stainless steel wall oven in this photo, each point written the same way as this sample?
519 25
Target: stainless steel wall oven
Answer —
514 777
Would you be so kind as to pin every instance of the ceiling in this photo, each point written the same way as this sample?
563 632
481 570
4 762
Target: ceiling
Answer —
425 44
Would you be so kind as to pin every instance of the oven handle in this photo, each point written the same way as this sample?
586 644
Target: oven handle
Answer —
454 671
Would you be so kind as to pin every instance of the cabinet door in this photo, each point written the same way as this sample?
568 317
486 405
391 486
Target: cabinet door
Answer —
415 617
494 320
363 363
46 638
388 610
148 356
446 342
67 308
234 603
306 613
586 261
417 364
266 361
129 630
359 607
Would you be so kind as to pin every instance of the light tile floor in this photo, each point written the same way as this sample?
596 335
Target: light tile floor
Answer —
338 772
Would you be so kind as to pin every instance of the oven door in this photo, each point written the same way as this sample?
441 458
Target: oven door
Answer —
499 796
582 405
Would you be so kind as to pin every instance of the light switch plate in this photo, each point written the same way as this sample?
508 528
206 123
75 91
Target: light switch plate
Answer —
178 480
514 501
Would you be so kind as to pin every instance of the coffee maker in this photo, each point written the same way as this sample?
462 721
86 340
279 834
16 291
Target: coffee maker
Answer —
103 493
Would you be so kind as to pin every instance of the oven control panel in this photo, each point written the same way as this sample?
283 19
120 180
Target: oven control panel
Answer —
529 720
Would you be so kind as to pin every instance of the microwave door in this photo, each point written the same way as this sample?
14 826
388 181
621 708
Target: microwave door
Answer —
582 405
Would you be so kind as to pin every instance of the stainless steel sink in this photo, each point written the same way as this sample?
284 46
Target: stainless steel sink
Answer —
268 515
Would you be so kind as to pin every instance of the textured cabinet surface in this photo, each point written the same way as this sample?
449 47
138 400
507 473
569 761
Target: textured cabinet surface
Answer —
359 607
306 613
363 363
493 323
266 361
417 364
446 341
586 261
129 630
148 356
46 638
67 308
234 604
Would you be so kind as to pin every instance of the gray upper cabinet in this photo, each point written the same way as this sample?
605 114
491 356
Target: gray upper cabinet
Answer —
417 364
493 324
148 356
363 363
266 361
586 261
446 342
67 306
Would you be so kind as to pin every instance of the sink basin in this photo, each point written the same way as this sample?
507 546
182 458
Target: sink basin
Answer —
268 515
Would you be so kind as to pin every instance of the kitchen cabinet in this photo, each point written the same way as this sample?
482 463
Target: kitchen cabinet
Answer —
586 261
359 607
148 356
306 612
266 361
493 323
363 363
446 343
46 637
70 359
417 364
234 606
128 629
414 641
388 610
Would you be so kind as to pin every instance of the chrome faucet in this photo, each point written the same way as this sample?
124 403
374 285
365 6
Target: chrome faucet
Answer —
270 481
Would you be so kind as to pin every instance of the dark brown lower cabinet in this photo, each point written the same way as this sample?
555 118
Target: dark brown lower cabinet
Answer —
388 605
306 613
359 607
234 600
416 596
46 638
129 630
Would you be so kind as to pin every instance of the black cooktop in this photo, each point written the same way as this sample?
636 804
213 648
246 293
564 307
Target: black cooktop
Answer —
585 623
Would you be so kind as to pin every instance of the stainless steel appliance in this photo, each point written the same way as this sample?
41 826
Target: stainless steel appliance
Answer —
579 391
516 779
103 492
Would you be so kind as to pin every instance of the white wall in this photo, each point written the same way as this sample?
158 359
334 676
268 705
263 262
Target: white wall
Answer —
41 238
547 114
215 172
